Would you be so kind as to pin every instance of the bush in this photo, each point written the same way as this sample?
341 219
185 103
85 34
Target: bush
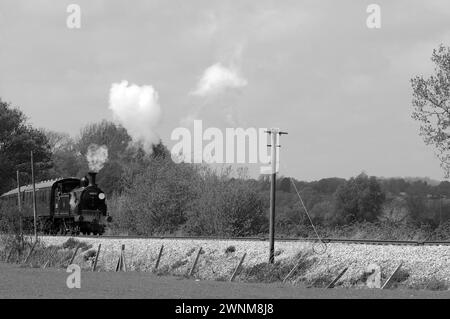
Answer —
72 243
156 200
226 207
359 199
321 282
278 252
190 252
400 277
50 256
230 250
168 198
163 271
15 246
9 223
89 254
178 264
442 232
431 284
266 272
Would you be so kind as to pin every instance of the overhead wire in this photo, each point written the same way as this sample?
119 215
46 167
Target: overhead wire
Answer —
302 203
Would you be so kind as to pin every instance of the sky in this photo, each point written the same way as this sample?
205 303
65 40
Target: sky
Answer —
312 68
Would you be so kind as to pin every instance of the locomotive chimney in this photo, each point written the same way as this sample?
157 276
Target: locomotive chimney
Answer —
92 176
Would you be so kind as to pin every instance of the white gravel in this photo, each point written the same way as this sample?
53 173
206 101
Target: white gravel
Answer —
421 262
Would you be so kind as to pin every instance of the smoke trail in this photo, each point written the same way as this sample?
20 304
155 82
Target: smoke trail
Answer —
138 111
96 157
218 78
219 90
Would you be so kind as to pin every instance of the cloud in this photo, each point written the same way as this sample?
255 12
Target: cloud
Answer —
138 111
220 90
217 79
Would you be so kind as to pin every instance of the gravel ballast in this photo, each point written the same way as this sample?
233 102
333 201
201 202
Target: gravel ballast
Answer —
420 262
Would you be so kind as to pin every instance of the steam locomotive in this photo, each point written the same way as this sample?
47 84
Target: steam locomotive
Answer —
64 206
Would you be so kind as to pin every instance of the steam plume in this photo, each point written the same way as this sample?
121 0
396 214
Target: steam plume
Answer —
96 157
218 78
138 111
219 89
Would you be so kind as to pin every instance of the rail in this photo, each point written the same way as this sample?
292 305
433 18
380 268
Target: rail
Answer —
286 239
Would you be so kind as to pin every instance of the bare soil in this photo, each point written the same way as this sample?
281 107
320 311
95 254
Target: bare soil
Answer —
23 282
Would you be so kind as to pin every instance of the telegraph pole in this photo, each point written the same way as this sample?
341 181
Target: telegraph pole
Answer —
34 197
19 205
274 137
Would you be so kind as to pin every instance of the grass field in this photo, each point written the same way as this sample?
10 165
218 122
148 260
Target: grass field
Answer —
21 282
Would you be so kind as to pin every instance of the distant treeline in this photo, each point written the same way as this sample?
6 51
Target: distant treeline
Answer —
150 194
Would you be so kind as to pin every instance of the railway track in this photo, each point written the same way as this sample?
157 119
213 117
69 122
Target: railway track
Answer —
324 240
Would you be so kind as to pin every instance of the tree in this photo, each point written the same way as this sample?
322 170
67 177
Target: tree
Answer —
359 199
157 198
67 160
58 140
394 185
417 208
17 139
284 184
225 206
431 102
327 185
115 137
443 189
395 209
323 211
120 155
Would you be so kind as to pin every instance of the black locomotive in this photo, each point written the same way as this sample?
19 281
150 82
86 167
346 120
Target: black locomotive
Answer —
64 206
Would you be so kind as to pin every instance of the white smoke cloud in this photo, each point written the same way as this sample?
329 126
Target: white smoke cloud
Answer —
96 157
219 88
217 79
138 111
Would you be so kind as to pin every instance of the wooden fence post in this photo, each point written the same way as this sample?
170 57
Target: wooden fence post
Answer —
124 262
30 252
121 265
49 258
389 281
159 258
195 262
235 272
293 269
333 283
74 254
119 262
94 265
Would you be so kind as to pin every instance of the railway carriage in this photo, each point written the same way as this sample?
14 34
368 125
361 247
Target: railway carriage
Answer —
66 205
